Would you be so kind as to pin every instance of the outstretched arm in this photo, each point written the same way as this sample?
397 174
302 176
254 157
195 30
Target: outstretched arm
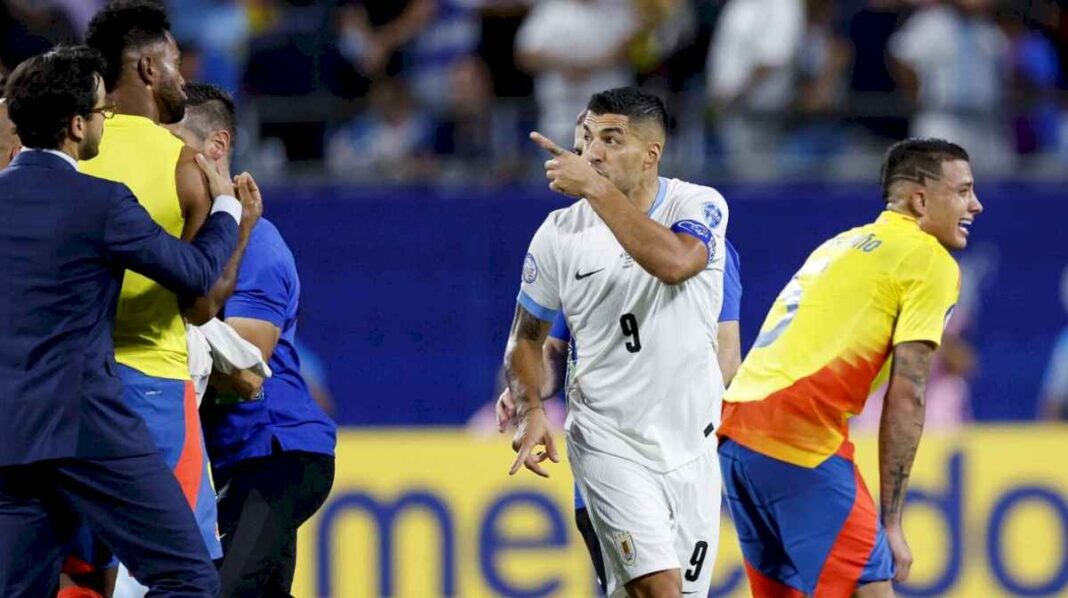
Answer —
899 437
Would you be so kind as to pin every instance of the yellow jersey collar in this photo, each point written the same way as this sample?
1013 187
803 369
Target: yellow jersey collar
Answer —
891 217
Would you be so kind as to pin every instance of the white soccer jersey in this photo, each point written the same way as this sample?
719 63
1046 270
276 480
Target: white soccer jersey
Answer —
646 385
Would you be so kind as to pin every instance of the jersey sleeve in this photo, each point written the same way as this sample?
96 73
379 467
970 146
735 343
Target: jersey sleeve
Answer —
928 286
539 292
560 331
262 289
703 216
732 287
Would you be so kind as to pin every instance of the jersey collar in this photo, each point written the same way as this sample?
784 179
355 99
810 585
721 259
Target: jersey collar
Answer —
889 217
661 191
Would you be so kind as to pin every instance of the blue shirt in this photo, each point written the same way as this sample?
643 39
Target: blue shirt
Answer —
268 289
729 312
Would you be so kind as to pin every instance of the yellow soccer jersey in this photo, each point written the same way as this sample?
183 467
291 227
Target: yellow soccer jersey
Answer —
149 330
829 333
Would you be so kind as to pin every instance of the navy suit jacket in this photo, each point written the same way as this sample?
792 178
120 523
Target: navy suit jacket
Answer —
65 240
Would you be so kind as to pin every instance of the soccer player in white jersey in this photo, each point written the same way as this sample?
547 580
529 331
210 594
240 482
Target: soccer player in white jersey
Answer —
636 265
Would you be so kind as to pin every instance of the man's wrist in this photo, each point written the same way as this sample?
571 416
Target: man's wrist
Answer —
228 204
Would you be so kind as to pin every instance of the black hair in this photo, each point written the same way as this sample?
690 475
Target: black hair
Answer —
209 108
917 160
45 92
635 103
122 25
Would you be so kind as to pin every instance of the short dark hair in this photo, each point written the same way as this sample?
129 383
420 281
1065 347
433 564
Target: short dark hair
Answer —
635 103
125 24
48 90
916 160
209 108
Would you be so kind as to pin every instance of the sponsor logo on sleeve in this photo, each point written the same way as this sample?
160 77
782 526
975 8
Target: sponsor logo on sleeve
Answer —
530 269
713 215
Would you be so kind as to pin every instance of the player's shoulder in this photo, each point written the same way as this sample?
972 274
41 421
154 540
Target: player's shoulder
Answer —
680 190
574 216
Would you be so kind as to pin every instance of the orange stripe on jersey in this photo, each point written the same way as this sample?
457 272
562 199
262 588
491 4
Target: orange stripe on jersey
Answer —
831 330
189 470
804 423
852 548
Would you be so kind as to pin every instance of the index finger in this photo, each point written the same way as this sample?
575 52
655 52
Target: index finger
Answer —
520 458
546 144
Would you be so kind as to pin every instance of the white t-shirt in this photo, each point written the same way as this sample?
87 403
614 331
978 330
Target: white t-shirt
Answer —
646 385
750 34
579 33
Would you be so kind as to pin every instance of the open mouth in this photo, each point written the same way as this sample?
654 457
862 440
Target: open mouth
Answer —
965 227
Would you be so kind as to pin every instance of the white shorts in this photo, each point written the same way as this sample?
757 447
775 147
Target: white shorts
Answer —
648 521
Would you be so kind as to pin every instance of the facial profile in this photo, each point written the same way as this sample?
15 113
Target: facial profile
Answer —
170 98
949 205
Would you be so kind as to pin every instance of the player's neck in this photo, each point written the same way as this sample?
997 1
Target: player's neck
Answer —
643 195
135 102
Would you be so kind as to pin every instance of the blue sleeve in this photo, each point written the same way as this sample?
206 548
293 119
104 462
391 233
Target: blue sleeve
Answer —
559 330
135 242
263 284
732 287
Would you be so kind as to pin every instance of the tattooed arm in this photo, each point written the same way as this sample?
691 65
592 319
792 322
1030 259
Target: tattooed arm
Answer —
899 436
524 370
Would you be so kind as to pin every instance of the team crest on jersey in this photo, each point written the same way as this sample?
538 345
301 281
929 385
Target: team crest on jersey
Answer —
713 215
625 544
530 269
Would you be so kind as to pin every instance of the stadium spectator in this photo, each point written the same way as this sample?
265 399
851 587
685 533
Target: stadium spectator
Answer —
873 92
751 79
593 58
951 58
375 35
1034 71
392 140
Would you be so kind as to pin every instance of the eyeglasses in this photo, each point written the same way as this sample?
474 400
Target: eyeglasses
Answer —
107 111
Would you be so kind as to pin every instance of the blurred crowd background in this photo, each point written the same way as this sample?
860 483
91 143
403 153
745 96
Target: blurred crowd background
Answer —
444 91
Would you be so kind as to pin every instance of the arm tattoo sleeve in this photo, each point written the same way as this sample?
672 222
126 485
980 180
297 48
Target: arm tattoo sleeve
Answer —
902 424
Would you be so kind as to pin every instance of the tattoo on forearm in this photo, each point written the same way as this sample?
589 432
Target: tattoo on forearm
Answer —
525 326
899 482
902 424
913 363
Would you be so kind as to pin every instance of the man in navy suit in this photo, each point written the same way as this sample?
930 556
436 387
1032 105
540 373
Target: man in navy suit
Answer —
69 447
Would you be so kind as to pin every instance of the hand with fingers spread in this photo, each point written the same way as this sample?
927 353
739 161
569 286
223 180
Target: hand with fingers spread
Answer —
532 430
568 173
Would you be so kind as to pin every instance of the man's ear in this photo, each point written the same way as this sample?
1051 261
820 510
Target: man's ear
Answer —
218 145
147 69
76 128
653 152
918 200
